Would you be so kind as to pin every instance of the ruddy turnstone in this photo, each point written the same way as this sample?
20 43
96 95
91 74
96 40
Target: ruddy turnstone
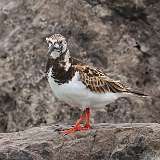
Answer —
79 84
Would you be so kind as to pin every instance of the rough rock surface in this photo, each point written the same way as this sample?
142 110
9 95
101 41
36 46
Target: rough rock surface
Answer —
104 142
122 37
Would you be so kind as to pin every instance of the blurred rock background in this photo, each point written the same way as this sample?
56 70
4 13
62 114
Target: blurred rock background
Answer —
122 37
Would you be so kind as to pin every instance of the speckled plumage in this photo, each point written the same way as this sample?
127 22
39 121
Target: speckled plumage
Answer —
77 83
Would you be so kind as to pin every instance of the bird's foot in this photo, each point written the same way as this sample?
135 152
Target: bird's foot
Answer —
75 129
84 117
87 126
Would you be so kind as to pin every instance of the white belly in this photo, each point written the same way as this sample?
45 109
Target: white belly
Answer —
75 93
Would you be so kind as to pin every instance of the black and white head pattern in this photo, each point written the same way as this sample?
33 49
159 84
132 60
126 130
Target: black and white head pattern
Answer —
57 45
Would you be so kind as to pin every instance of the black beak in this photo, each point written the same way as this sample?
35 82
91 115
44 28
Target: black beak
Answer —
54 47
51 48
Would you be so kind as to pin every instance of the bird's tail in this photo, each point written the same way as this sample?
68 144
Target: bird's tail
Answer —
138 93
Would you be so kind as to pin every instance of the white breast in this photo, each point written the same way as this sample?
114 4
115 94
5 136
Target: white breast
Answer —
75 93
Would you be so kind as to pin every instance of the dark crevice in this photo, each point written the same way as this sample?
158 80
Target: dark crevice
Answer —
93 2
131 13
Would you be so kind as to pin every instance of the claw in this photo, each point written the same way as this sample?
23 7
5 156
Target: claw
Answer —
75 129
78 127
72 130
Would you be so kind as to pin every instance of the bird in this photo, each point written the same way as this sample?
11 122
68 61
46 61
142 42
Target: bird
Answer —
77 83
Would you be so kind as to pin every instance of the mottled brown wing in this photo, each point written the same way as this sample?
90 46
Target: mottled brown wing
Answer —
97 81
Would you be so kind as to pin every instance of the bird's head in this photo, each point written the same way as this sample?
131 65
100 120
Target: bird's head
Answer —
57 45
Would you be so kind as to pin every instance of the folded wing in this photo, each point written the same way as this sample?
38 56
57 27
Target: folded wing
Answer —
97 81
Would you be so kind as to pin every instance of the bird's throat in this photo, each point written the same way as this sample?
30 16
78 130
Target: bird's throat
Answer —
61 68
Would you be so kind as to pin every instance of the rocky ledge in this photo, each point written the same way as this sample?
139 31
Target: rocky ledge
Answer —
137 141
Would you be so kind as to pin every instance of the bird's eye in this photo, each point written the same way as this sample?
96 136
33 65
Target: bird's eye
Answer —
60 42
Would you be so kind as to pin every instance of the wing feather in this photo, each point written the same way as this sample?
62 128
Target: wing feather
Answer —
97 81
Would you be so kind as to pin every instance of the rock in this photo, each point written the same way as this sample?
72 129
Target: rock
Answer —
137 141
122 37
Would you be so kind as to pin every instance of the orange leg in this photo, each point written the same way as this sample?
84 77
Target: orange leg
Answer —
87 120
87 125
85 116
